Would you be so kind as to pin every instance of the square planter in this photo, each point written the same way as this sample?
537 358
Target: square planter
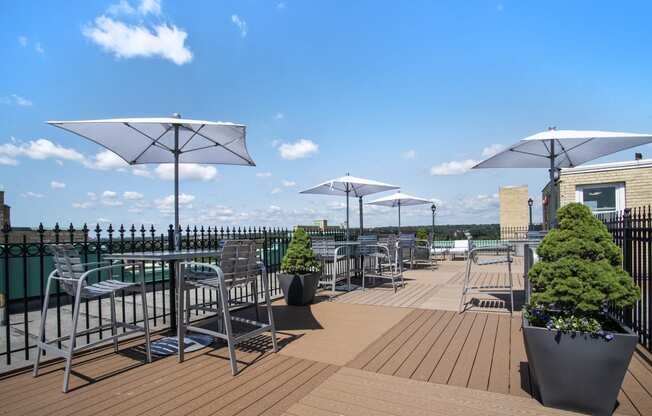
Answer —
298 289
578 372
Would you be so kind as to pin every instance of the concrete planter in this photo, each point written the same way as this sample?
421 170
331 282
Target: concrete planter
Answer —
578 372
298 289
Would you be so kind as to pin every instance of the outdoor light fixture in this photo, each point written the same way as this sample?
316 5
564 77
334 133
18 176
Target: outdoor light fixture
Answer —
530 202
433 208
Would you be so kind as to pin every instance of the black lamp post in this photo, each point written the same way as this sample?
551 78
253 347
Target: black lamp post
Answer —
530 202
433 208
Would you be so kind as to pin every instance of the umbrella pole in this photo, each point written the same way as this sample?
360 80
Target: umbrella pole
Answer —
553 196
177 237
347 213
399 218
361 223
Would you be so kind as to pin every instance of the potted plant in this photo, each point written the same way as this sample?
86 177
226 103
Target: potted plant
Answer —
300 271
577 353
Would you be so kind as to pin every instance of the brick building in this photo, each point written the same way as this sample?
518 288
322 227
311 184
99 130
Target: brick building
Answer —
5 211
514 210
605 187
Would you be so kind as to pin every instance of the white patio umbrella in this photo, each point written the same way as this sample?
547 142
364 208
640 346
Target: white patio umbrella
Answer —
555 149
350 185
399 199
167 140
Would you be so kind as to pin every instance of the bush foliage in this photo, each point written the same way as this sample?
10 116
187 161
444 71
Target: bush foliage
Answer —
299 258
579 271
422 234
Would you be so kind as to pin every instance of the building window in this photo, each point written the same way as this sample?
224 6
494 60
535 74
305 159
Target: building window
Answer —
602 198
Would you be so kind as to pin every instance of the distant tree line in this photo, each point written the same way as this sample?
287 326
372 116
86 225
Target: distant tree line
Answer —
446 232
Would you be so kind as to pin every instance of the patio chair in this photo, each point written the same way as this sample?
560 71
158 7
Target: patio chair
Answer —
391 242
377 261
72 275
474 258
406 245
239 267
327 251
423 255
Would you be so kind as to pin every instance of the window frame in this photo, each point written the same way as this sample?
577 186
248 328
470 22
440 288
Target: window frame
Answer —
619 194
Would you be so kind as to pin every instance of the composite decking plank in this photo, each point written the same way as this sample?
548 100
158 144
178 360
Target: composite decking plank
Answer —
482 365
273 390
519 373
340 407
431 360
231 390
193 392
377 346
300 409
394 363
641 371
390 349
637 394
499 377
464 365
448 360
416 357
301 392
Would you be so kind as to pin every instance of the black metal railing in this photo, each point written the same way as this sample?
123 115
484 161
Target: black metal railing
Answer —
632 232
25 263
518 232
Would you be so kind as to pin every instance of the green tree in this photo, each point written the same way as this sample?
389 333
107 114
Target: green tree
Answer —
422 234
579 271
299 258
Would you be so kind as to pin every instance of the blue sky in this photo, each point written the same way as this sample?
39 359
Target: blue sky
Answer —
407 93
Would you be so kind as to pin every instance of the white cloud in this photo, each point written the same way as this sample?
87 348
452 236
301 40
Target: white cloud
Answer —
22 40
263 174
150 6
298 150
39 149
187 171
83 205
275 142
141 171
409 154
7 161
57 185
500 7
92 195
110 199
289 184
38 48
128 41
106 160
492 150
166 204
240 23
275 191
15 99
103 220
132 195
280 5
279 116
453 168
31 194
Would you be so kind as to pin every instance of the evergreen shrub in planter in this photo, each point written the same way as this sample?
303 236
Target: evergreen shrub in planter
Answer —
300 271
577 354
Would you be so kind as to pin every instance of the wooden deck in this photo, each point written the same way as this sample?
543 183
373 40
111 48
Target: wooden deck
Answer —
478 351
367 353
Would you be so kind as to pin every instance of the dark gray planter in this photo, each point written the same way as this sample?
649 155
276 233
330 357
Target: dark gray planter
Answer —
578 372
298 289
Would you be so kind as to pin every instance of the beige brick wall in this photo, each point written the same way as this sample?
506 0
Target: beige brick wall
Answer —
638 184
514 211
4 210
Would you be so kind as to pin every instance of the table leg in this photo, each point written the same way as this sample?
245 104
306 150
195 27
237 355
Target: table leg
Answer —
181 298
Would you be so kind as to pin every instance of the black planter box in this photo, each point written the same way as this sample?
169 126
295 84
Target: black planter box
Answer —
578 372
298 289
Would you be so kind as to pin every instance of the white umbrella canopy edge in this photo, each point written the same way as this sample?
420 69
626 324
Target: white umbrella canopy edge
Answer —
398 199
166 140
345 186
555 149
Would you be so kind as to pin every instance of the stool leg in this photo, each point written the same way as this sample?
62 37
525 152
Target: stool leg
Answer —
41 332
114 327
270 311
511 286
71 343
224 297
143 295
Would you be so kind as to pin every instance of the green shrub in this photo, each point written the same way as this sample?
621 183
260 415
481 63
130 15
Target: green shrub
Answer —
299 258
422 234
579 274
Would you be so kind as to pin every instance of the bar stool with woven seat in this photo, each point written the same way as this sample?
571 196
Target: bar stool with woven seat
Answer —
72 274
239 266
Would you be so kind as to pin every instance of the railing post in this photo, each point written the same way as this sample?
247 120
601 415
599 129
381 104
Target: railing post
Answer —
627 256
